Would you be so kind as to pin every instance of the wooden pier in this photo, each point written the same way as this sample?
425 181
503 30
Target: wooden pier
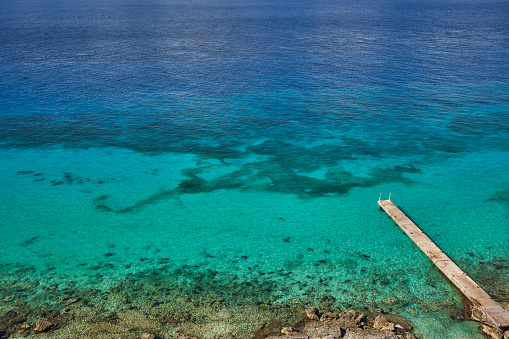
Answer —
483 307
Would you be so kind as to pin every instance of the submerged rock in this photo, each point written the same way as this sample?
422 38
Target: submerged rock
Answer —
288 330
180 336
42 326
12 317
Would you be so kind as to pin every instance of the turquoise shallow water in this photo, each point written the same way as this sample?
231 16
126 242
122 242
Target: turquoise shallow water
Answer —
70 219
213 168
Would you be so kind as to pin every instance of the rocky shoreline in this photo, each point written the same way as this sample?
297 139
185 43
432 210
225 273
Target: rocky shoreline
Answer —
314 325
155 304
349 325
355 325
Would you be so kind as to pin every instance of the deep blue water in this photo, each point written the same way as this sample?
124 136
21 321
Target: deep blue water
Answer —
69 56
171 122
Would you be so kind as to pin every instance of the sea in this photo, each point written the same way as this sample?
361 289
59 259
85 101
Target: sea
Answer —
212 167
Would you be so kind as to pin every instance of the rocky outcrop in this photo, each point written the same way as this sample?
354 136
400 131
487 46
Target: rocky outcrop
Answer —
329 316
491 332
288 330
312 313
42 326
381 323
148 336
347 325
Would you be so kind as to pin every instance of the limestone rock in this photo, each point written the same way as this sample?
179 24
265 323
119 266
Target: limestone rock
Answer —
400 322
42 326
345 325
350 319
288 330
368 334
380 322
389 326
506 334
329 316
491 332
148 336
356 316
312 313
24 326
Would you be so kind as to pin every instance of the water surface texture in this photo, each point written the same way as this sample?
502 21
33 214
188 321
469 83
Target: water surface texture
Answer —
212 168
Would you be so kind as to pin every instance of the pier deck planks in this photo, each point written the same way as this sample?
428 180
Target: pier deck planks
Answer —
477 296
